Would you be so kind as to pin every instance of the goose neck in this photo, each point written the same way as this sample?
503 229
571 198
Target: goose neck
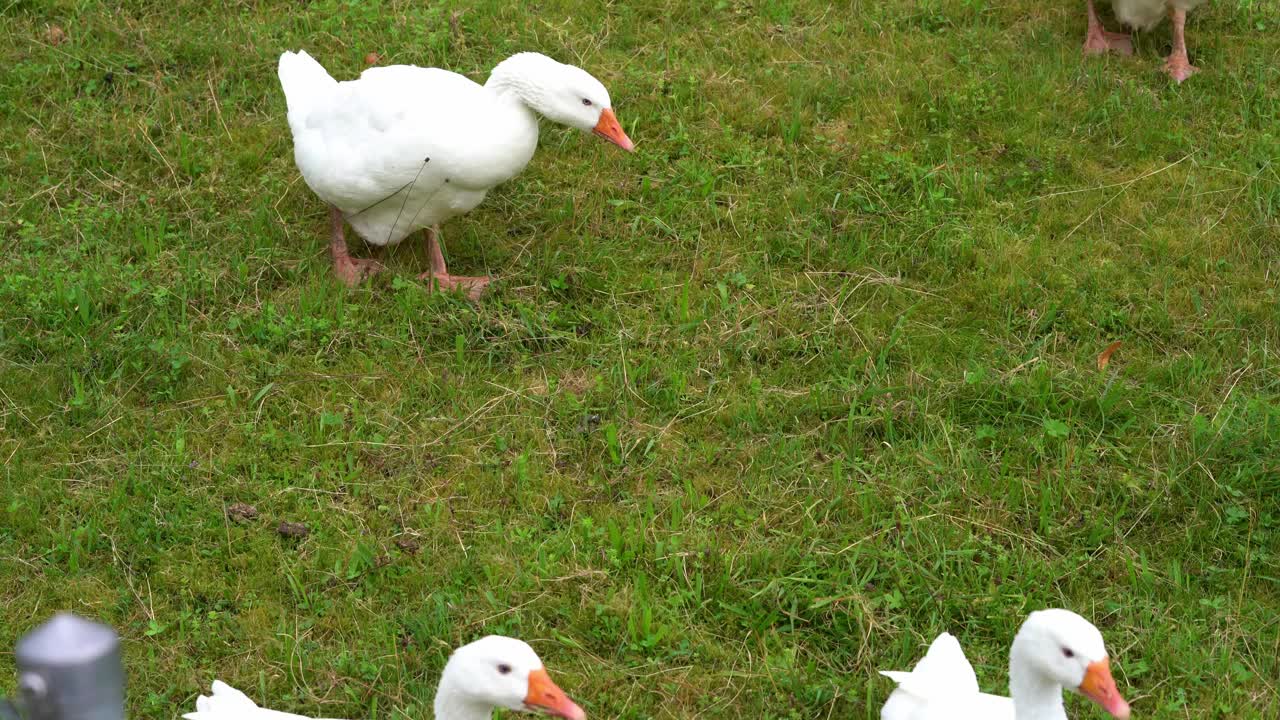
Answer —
451 704
522 77
1035 695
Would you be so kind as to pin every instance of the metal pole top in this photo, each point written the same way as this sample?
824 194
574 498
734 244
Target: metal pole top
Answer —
65 640
70 669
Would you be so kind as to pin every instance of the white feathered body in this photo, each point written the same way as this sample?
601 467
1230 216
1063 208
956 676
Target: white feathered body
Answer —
942 686
227 703
403 147
1146 14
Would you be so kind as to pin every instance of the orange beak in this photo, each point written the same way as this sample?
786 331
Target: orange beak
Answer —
544 695
609 129
1099 687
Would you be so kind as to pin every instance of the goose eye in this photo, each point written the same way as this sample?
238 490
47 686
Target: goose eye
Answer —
586 101
1067 652
504 668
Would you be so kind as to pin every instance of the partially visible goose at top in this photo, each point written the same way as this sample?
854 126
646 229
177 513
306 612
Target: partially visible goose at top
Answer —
1144 15
490 673
1053 649
405 148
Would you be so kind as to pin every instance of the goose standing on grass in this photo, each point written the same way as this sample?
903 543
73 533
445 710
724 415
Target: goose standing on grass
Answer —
1144 15
1053 649
490 673
405 148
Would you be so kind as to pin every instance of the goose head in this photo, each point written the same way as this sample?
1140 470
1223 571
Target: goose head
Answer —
1060 648
561 93
500 672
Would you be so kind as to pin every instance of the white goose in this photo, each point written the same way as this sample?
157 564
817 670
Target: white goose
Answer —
1053 649
1144 15
490 673
405 148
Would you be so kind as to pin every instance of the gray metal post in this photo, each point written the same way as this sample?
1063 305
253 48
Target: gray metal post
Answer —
70 669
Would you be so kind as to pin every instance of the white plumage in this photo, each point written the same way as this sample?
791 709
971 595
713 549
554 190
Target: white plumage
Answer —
405 148
492 672
943 678
1053 649
440 137
228 703
1146 14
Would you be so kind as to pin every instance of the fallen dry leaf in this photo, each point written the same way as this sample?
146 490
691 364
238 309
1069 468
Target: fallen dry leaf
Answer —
242 511
1105 358
292 530
55 35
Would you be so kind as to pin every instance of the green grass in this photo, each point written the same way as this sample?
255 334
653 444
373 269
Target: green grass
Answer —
753 413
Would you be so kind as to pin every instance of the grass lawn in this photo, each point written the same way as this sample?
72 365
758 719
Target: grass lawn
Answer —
752 413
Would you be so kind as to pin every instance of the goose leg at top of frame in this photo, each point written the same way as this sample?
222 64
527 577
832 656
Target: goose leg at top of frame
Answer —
1178 65
1099 40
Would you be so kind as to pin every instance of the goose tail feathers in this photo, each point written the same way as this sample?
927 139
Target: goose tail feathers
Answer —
943 671
225 703
304 81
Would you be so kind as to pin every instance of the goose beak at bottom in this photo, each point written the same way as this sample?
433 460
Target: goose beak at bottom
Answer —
609 129
545 696
1099 687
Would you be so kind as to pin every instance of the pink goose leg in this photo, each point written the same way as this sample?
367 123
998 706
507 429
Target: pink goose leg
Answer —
349 270
1178 65
439 274
1098 41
